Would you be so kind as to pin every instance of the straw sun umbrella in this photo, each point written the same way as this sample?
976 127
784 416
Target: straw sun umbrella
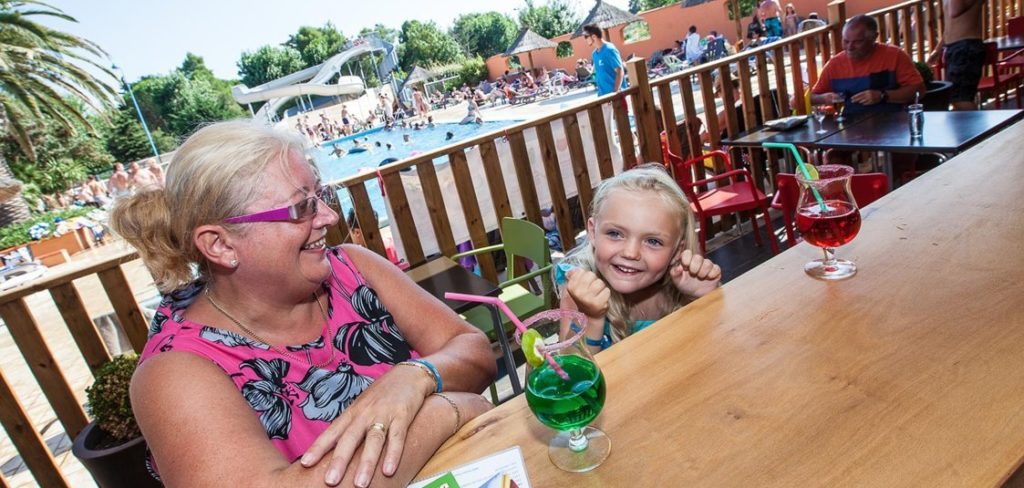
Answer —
605 16
527 42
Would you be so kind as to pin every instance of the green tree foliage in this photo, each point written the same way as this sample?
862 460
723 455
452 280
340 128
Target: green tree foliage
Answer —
316 44
746 8
641 5
178 102
384 32
484 34
63 156
268 63
564 49
424 44
636 31
555 18
126 141
194 67
42 70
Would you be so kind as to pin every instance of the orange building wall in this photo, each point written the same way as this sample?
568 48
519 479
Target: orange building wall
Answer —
668 24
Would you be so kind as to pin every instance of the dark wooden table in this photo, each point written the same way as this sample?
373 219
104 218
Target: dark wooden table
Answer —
442 275
1008 43
944 132
804 135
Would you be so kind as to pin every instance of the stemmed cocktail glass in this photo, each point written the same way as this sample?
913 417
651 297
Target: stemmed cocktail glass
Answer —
565 388
827 216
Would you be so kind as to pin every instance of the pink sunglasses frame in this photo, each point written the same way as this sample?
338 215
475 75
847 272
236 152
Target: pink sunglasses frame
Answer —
324 193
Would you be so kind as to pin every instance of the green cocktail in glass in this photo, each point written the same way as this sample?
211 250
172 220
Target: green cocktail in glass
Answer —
565 389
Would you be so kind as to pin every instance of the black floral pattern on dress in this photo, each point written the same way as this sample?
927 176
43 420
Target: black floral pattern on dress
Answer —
377 340
331 392
268 395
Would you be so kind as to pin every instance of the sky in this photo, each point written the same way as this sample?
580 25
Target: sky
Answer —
152 37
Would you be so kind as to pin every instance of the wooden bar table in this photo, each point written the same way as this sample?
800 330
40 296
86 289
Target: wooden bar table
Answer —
909 374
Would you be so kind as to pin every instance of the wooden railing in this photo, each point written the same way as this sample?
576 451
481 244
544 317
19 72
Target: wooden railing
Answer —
554 161
44 366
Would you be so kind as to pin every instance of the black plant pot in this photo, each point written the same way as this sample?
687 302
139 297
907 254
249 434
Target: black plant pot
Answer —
115 467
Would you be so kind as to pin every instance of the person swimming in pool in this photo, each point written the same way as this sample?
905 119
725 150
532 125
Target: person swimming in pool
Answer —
448 136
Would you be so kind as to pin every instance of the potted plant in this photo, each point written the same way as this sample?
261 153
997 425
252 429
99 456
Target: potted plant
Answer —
937 93
111 447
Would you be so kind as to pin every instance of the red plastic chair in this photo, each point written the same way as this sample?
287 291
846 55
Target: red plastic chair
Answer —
866 188
730 194
1002 77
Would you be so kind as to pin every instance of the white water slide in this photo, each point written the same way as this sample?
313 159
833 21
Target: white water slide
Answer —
310 81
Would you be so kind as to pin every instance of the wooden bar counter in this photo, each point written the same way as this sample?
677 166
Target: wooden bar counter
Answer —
909 374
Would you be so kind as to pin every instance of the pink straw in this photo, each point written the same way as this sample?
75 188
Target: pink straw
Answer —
521 327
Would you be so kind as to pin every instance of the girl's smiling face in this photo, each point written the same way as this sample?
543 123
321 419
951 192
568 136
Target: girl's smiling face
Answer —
635 236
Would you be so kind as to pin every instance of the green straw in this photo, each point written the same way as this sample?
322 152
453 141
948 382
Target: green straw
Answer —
799 164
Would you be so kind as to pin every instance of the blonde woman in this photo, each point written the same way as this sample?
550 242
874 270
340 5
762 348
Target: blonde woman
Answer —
270 350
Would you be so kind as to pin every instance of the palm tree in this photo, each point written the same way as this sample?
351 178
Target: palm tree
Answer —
41 74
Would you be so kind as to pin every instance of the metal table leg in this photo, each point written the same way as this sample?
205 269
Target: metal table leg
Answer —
887 168
506 351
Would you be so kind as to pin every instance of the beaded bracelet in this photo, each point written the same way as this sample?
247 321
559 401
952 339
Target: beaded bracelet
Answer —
458 414
426 367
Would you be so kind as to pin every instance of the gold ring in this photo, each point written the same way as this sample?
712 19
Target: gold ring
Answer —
378 427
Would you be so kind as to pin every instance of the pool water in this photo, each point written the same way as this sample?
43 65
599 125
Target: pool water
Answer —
334 168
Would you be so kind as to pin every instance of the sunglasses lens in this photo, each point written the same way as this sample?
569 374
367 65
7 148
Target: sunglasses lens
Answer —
328 193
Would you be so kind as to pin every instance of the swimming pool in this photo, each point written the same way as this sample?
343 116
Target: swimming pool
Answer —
333 168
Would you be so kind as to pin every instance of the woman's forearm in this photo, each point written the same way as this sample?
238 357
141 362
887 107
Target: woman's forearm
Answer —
460 367
433 425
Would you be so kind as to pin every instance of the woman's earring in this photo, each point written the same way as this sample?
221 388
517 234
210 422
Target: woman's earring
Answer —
234 263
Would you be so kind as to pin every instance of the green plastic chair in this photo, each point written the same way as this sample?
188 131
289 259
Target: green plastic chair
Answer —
522 240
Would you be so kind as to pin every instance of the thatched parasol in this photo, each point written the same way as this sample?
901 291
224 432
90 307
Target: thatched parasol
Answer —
606 17
418 75
9 188
527 42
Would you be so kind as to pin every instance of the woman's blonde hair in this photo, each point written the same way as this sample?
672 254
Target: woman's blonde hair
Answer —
650 177
214 175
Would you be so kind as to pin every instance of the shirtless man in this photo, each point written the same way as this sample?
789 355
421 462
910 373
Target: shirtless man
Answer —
142 179
120 182
964 50
771 17
156 170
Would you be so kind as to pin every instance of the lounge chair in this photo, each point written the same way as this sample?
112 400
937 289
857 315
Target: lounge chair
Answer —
674 64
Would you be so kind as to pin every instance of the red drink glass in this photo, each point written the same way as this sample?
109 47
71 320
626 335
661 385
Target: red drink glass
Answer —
827 217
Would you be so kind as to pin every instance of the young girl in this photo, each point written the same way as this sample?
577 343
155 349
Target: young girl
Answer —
638 263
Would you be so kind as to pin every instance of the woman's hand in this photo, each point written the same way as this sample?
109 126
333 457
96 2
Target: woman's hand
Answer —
589 292
393 401
694 275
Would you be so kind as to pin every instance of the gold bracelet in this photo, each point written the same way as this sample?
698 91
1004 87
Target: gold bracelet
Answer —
458 414
421 367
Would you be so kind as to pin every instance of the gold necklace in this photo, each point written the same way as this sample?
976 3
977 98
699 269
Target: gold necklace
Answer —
307 359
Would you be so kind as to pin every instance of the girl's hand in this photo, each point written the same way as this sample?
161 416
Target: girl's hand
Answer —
392 400
589 292
694 275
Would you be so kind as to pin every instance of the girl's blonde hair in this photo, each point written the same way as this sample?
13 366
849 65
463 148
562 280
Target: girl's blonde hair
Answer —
215 174
650 177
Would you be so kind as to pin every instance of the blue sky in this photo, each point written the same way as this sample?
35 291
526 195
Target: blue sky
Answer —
152 37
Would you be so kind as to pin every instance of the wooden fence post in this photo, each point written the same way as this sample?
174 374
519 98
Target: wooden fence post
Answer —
643 111
837 16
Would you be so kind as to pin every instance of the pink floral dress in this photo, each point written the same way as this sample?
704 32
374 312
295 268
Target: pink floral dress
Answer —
294 401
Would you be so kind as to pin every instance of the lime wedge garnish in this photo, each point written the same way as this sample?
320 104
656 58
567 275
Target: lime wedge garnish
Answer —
812 171
532 339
